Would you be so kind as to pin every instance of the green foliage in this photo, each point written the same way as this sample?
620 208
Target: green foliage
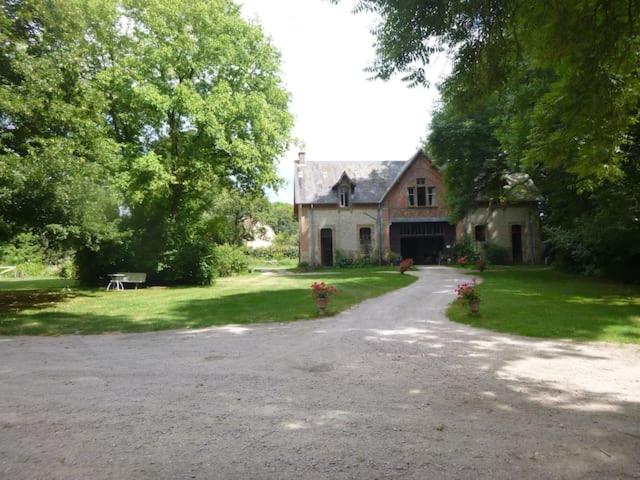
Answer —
586 50
465 147
496 254
279 216
229 260
27 254
465 248
391 258
136 126
283 246
68 270
25 248
304 267
346 260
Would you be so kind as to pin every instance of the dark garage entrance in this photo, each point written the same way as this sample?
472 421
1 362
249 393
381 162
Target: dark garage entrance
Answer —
421 241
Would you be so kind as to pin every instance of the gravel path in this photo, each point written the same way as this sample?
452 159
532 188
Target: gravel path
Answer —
389 389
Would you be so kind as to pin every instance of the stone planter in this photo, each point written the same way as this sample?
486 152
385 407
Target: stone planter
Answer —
322 303
474 305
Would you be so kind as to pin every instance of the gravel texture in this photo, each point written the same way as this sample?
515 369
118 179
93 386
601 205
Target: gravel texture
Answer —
388 389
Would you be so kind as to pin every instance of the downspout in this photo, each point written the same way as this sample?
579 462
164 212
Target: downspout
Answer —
379 231
312 238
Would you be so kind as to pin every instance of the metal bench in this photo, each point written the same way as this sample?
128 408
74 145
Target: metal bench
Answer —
119 279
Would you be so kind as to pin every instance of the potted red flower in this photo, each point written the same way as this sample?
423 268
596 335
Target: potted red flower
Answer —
405 265
321 293
466 292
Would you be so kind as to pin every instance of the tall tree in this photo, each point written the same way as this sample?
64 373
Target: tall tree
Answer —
587 48
164 104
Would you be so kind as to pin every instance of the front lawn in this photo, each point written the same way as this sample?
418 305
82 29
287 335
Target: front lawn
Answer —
49 307
542 302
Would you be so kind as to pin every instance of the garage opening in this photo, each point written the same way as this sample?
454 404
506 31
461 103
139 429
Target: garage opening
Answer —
424 242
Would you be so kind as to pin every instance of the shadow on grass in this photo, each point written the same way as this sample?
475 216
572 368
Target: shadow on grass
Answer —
245 308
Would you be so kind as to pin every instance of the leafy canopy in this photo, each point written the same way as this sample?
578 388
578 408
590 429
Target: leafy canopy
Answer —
126 122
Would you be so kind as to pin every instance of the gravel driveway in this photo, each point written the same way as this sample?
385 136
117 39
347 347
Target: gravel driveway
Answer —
389 389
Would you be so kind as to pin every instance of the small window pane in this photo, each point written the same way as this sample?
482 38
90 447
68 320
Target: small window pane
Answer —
420 181
422 196
344 197
431 196
411 196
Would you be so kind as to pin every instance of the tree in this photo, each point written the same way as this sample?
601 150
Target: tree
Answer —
167 105
465 146
56 155
588 50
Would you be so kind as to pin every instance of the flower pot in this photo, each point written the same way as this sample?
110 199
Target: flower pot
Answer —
474 305
322 303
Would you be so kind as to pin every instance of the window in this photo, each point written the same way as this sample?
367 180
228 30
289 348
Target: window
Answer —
411 194
480 233
431 196
344 196
422 195
365 241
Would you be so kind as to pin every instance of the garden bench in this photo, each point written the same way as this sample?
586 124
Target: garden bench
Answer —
119 279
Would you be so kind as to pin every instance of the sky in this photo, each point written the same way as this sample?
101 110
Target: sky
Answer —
340 114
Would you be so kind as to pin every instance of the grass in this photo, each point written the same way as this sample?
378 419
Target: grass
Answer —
46 307
542 302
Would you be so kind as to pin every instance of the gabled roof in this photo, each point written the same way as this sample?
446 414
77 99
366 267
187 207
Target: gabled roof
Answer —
314 181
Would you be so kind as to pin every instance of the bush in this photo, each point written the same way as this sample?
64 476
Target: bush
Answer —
27 254
391 258
304 267
94 264
343 260
466 249
496 254
283 246
67 269
229 260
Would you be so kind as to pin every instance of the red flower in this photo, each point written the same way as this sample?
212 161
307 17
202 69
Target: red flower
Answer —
322 290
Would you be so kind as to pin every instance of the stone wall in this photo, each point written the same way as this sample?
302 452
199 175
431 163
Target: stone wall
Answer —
345 224
498 221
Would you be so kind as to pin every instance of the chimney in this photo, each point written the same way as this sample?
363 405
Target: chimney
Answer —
300 157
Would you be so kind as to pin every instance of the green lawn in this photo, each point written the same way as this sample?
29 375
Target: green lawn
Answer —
46 307
542 302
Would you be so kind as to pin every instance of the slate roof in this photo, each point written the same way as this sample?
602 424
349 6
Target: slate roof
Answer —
314 181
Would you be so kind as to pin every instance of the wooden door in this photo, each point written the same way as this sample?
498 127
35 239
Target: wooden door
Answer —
516 243
326 247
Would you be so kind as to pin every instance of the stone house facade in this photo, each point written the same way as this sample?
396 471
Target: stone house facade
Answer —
371 208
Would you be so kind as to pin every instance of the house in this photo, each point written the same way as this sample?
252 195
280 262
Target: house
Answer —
371 208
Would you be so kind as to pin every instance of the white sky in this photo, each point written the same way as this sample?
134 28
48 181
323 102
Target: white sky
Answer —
339 113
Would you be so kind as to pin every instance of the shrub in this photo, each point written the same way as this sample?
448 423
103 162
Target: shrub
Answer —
67 269
283 246
27 254
391 258
304 266
466 249
496 254
343 260
229 260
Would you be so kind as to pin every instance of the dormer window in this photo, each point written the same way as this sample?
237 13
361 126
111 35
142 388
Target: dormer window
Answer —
344 193
344 188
